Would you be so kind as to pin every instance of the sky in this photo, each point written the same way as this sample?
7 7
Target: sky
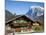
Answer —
20 7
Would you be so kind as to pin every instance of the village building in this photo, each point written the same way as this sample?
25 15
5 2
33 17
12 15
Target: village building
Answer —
20 23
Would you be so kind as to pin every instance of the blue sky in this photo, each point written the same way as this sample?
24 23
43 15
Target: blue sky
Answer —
19 7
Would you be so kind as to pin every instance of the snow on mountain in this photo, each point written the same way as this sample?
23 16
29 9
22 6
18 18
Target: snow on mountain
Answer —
36 13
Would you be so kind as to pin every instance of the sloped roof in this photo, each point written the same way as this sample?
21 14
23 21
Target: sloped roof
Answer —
29 14
10 17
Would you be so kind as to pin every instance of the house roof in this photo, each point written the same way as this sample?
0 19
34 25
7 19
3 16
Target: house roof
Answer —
9 16
32 16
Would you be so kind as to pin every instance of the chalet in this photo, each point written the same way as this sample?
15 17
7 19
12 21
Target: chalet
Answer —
20 22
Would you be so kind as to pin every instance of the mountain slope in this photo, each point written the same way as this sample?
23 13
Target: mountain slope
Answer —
8 15
36 14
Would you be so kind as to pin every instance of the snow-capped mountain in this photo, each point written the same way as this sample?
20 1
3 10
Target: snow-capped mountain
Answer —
36 13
